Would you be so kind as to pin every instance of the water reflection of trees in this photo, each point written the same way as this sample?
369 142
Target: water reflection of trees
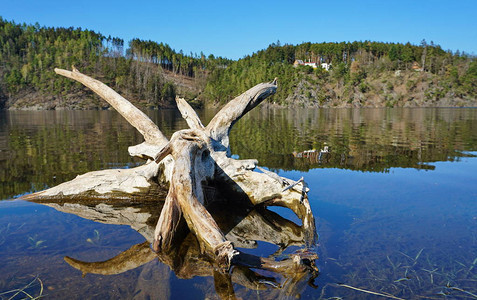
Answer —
33 144
45 148
366 140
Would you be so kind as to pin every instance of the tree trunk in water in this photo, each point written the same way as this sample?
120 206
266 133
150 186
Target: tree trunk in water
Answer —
192 161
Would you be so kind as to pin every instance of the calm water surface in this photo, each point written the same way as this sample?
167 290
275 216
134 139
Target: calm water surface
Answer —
393 192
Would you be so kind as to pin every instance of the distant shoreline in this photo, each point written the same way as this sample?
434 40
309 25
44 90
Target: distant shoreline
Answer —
152 74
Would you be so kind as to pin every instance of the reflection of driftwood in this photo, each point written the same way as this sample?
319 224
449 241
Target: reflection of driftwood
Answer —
186 261
185 258
134 257
191 159
241 224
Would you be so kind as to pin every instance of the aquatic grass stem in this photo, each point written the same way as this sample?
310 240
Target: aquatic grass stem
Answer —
22 290
369 292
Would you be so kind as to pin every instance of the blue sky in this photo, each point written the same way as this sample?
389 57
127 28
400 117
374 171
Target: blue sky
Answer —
236 28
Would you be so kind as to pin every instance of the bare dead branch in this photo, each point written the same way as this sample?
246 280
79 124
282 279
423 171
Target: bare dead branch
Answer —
189 114
133 115
219 127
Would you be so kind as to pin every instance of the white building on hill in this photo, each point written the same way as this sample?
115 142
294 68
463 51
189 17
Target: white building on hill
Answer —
314 65
326 66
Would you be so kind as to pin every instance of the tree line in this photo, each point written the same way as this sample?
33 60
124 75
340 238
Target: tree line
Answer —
142 70
29 54
351 65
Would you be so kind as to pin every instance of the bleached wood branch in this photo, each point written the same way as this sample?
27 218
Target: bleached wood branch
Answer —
189 114
219 127
132 114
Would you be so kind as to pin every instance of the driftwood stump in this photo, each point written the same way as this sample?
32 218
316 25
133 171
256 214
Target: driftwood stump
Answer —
192 161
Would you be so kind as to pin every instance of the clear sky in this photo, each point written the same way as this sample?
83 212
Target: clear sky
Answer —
234 29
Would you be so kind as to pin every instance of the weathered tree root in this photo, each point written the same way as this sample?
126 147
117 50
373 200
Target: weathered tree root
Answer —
191 159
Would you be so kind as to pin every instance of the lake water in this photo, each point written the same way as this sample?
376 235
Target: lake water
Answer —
393 191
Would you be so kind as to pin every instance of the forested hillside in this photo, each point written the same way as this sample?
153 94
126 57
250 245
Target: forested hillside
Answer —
151 74
147 73
361 74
